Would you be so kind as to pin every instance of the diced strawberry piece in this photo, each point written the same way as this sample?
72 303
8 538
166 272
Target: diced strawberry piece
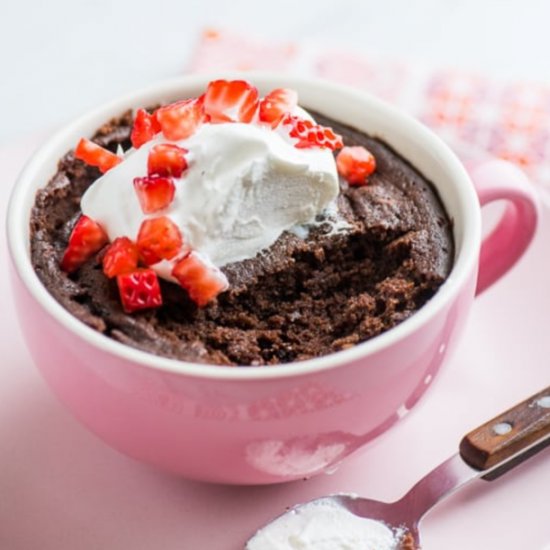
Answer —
275 105
202 280
95 155
154 192
181 119
310 134
121 257
158 239
144 129
299 127
230 101
355 164
167 159
139 289
87 238
200 101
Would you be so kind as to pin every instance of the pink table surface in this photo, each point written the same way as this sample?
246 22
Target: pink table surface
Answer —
61 488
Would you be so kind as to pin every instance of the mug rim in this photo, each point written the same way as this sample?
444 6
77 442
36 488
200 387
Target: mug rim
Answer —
464 262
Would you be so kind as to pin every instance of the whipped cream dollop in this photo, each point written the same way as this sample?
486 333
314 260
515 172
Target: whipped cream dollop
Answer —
325 525
244 186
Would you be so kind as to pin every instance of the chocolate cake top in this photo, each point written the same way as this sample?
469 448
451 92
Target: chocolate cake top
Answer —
301 298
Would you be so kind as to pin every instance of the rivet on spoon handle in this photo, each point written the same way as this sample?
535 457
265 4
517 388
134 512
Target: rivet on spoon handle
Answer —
509 433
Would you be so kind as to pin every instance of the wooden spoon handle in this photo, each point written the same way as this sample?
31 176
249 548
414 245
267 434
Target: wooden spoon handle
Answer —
509 433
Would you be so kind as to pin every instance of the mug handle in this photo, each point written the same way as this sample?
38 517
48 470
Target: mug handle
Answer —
503 247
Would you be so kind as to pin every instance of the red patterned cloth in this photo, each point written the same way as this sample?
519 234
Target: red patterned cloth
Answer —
476 115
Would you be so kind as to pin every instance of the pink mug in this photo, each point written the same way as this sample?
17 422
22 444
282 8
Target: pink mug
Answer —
259 425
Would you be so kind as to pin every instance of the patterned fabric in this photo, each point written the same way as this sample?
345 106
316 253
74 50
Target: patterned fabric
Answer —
477 116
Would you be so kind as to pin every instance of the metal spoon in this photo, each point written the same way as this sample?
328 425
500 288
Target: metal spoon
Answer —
486 452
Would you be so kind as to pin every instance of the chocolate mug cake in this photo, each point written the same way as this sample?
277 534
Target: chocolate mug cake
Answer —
236 230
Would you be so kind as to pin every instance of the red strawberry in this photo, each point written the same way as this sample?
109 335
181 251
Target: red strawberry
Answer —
355 164
95 155
202 280
87 238
230 101
278 103
121 257
167 159
144 129
181 119
139 289
310 134
154 192
158 239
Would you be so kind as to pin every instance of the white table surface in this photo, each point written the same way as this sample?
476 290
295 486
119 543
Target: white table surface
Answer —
61 57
